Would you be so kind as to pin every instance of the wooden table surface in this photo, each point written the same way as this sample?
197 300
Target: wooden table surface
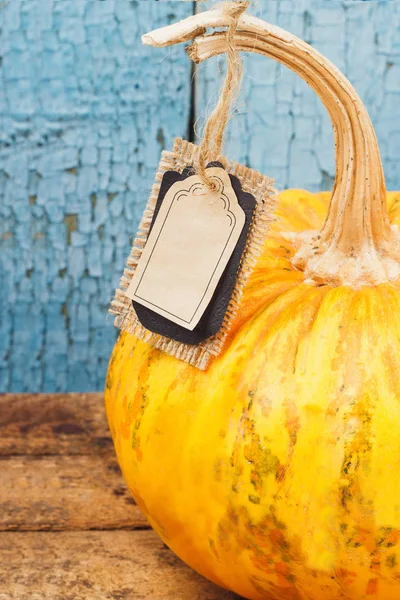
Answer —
69 529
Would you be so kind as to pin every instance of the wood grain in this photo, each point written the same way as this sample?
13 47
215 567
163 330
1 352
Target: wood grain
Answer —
64 493
97 565
53 424
67 519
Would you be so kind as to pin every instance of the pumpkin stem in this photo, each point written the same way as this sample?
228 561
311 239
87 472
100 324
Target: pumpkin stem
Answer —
356 245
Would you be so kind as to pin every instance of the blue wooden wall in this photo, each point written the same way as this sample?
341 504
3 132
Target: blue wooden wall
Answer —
282 129
85 111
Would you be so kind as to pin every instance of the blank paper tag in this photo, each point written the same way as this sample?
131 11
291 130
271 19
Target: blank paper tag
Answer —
188 248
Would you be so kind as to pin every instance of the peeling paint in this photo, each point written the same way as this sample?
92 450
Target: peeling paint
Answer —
83 108
281 127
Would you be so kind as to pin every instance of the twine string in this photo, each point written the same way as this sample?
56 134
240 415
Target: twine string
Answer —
214 129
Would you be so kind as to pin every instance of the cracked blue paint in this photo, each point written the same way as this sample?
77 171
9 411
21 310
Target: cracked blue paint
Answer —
281 127
82 105
84 112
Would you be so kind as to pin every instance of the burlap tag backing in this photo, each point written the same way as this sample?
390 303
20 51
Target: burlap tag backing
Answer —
261 187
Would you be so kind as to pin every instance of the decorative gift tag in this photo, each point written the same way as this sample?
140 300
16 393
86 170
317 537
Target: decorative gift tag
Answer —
201 233
216 299
168 272
189 246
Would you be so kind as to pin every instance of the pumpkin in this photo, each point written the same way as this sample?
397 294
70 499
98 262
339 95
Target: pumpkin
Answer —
275 472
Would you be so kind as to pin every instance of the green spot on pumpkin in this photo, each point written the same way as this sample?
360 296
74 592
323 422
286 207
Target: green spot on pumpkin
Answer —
391 561
134 441
268 462
254 499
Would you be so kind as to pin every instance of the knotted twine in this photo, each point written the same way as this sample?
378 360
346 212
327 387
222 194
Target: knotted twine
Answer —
213 133
185 154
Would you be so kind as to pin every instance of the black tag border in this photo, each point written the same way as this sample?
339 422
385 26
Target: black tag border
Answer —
213 317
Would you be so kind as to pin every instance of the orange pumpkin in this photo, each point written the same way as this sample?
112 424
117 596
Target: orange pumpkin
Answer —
275 472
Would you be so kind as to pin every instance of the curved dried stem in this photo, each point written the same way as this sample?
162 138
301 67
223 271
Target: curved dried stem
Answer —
356 245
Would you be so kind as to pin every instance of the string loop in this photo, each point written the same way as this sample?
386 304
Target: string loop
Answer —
213 133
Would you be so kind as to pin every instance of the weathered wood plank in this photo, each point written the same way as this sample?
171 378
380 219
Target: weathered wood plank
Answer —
64 493
104 565
41 424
